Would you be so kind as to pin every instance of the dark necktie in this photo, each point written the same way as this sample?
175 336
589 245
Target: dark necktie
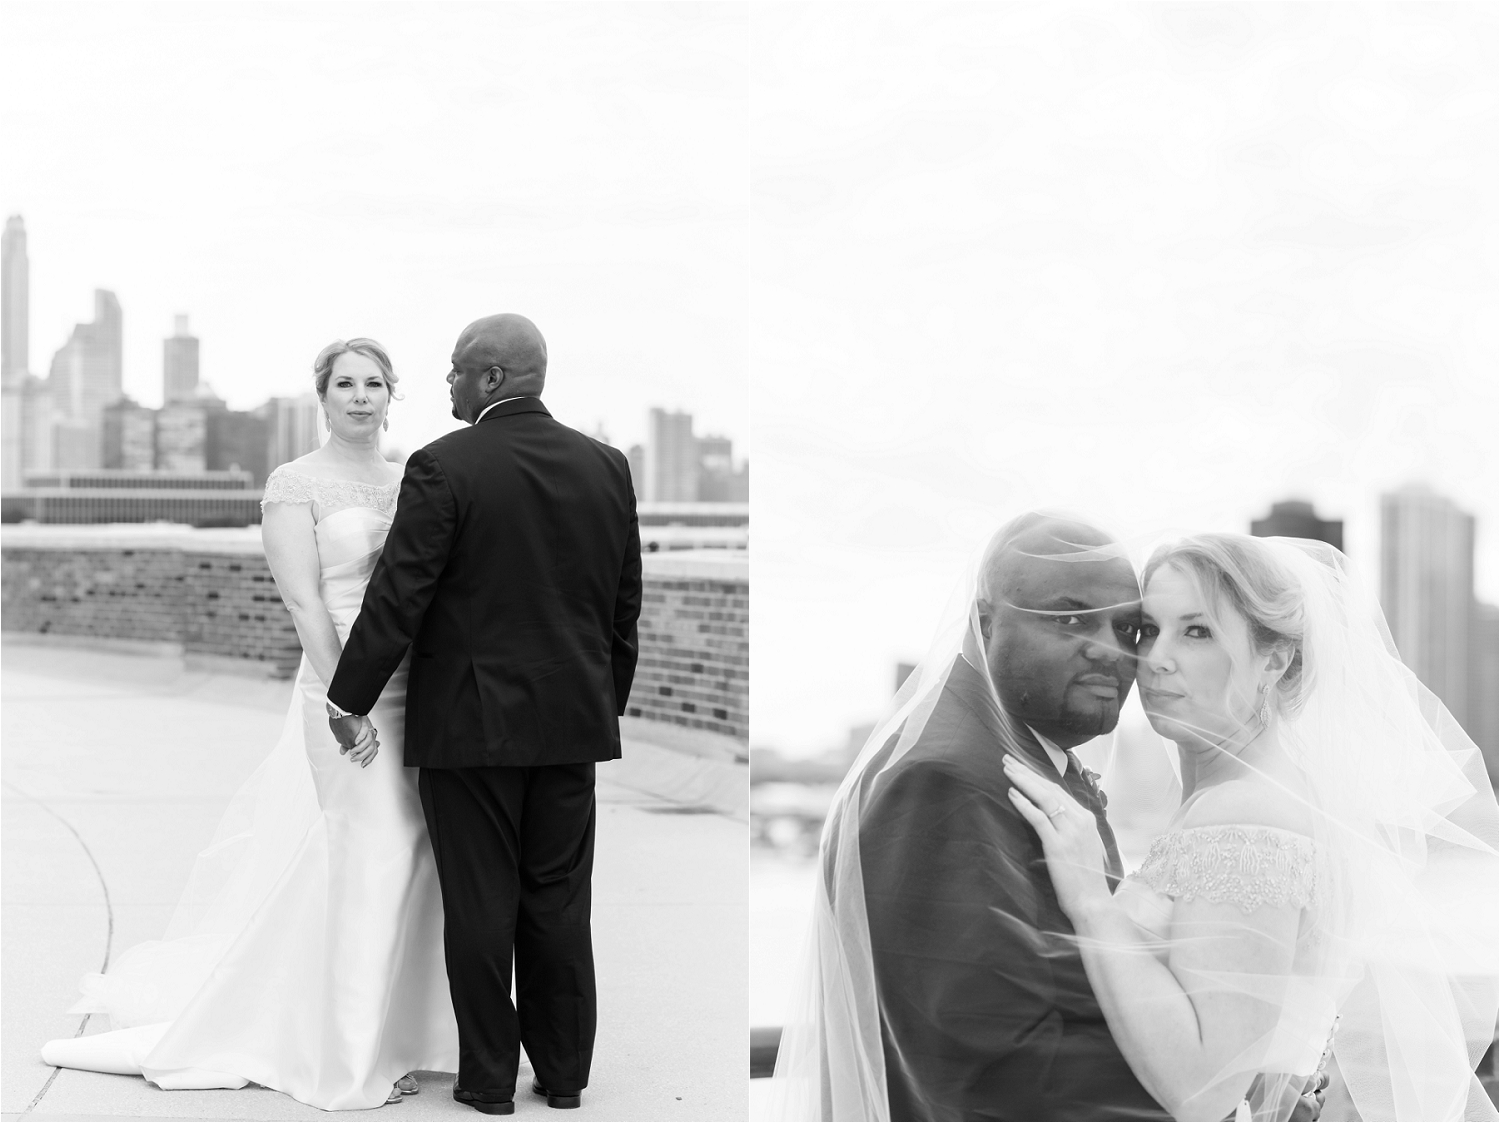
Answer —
1083 786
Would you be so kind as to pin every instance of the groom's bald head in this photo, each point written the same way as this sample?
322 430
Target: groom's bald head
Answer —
1059 613
495 358
510 342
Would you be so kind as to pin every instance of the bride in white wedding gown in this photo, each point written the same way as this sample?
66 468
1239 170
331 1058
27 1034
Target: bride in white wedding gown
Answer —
307 953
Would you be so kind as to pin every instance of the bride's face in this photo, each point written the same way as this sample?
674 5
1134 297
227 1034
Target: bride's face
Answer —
1197 668
357 396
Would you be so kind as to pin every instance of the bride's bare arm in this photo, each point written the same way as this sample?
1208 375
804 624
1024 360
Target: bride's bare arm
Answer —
1193 1027
292 551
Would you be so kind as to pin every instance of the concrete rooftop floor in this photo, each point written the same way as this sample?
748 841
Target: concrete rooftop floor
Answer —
116 767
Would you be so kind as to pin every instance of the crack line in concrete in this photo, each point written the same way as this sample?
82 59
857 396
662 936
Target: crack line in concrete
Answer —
109 913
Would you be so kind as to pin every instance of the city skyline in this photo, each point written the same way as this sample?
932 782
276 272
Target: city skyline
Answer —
615 223
180 378
80 417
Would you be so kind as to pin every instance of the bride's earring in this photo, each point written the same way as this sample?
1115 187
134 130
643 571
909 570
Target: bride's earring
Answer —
386 424
327 424
1265 705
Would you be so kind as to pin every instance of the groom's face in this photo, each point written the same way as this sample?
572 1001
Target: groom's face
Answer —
470 381
1060 641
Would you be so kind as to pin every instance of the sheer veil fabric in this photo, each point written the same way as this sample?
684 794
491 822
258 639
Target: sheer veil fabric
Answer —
1395 939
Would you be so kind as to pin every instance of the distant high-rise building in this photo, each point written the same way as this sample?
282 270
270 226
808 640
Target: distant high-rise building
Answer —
1427 589
636 458
77 444
36 449
129 436
671 458
1484 684
15 354
1295 518
87 375
291 428
182 437
180 364
235 439
719 481
15 303
715 454
12 430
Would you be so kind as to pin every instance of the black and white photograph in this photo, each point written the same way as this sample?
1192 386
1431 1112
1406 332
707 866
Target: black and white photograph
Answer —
375 561
381 381
1125 415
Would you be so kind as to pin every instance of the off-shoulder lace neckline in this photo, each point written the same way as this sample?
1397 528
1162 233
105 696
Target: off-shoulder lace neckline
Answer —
1247 864
287 485
1248 828
289 469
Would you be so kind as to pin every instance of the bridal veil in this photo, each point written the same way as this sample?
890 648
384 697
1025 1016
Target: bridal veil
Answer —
1399 946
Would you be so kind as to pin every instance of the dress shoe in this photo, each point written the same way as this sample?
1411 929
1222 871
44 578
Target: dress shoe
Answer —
489 1107
556 1101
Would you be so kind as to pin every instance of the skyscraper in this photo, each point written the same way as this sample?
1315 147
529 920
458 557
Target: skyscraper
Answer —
636 458
129 436
291 427
1427 589
15 352
86 376
1484 685
671 458
1295 518
236 439
15 303
180 365
182 437
36 446
718 479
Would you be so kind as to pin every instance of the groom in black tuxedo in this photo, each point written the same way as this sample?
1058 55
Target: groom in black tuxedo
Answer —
512 572
985 1010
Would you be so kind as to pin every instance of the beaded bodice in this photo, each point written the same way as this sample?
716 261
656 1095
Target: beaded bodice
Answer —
286 485
1249 866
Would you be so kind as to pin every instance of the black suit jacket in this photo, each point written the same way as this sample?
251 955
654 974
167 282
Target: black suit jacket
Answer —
986 1012
513 572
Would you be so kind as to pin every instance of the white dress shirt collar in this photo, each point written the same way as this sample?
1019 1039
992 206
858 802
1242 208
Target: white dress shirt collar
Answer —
501 402
1057 755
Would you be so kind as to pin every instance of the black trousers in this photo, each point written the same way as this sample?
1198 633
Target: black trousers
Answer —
515 857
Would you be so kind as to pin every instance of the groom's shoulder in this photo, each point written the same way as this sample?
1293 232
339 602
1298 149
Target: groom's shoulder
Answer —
449 442
952 755
474 440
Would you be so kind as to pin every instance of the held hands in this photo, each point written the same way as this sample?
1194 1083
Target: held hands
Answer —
1069 836
356 737
1310 1103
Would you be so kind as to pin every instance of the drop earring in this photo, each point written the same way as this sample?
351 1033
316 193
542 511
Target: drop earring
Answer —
1265 706
386 424
327 424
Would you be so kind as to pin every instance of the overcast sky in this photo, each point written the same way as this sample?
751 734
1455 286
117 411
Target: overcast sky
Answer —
1163 264
1160 264
291 173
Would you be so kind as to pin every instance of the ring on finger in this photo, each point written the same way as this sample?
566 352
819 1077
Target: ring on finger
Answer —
1056 811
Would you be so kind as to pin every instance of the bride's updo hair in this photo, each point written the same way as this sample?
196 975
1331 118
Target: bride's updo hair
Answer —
1239 571
323 364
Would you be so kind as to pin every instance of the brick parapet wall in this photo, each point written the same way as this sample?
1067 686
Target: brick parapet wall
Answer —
212 592
694 666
